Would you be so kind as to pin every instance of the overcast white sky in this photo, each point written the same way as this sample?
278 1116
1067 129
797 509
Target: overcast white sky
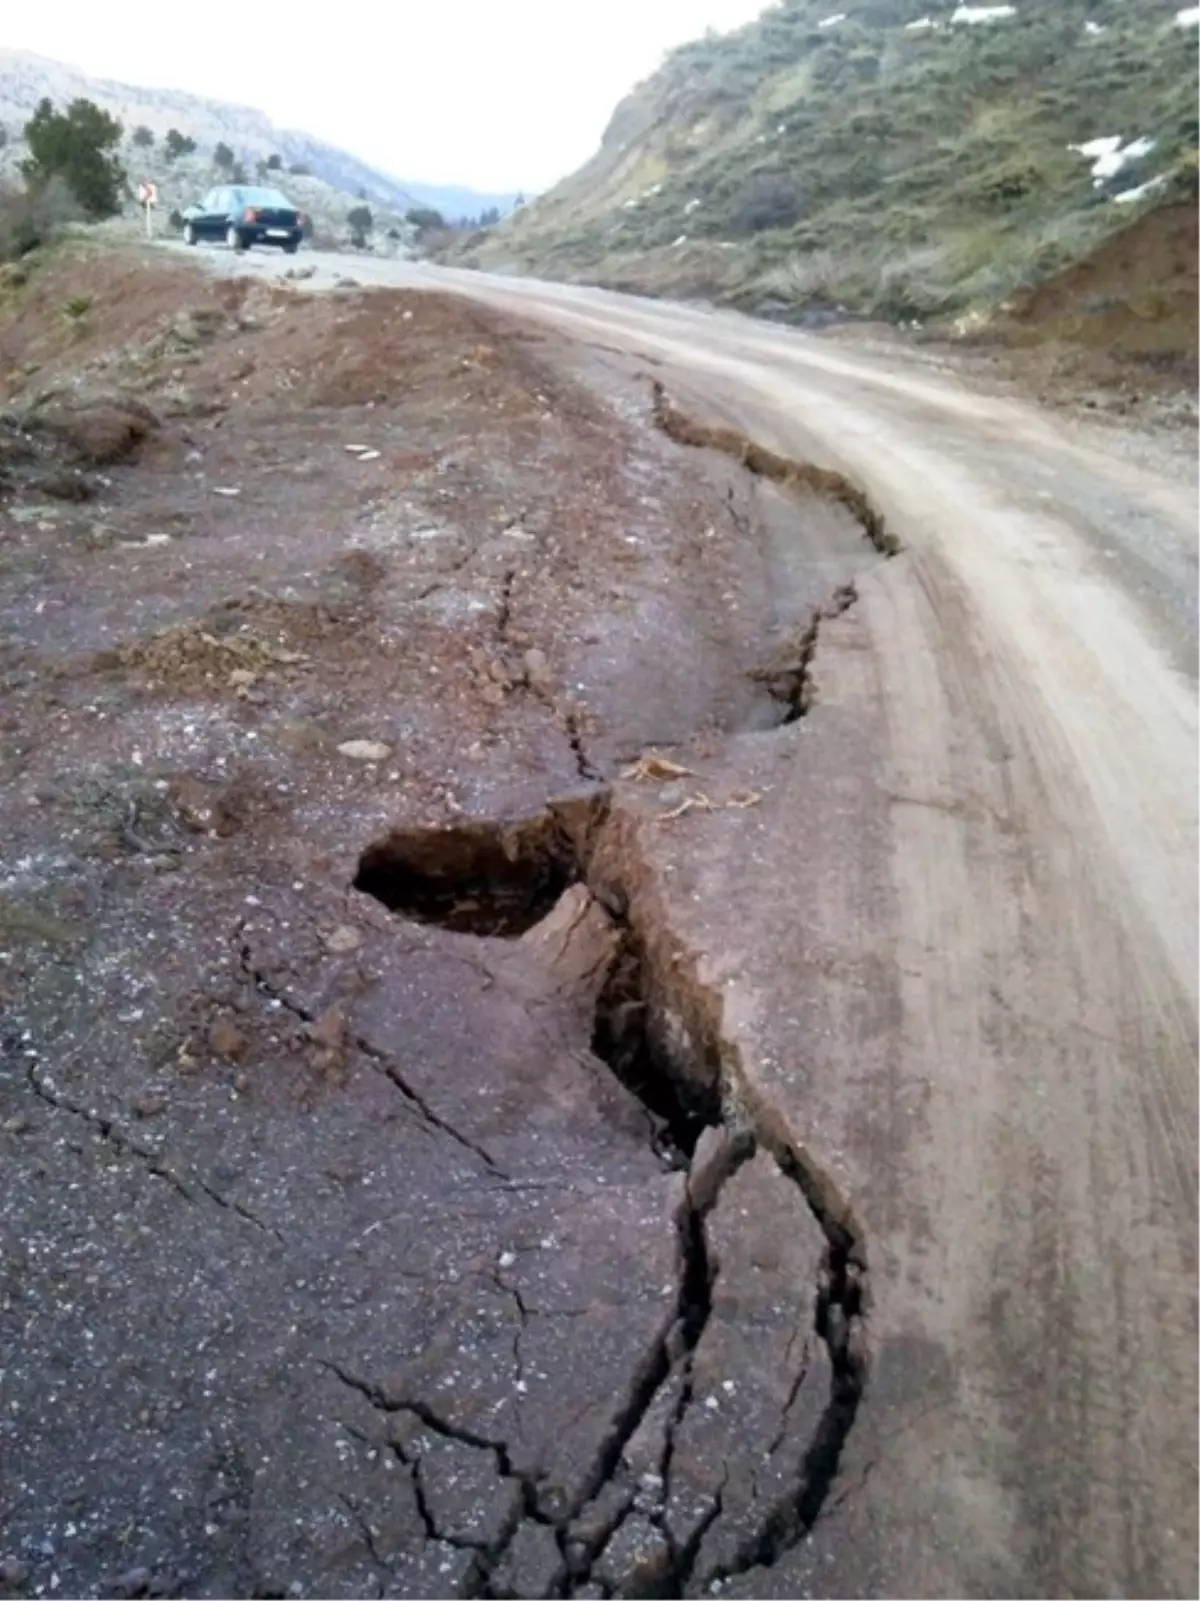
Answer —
497 94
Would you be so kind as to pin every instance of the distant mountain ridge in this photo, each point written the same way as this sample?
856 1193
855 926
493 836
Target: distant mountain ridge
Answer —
25 78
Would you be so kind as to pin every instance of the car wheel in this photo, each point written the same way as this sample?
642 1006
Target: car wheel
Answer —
291 247
189 234
234 239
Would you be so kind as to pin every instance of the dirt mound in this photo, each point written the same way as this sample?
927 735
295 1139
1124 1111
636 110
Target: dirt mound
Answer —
86 304
96 431
1134 295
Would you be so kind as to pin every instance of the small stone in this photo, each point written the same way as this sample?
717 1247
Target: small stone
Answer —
343 938
196 802
365 750
329 1029
242 678
227 1040
149 1106
229 492
16 1125
537 669
133 1582
13 1572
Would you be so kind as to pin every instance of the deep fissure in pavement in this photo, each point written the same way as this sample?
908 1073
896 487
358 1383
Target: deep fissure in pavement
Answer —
658 1029
788 678
626 1035
769 464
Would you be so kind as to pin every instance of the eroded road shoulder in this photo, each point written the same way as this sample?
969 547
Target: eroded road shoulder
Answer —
387 1208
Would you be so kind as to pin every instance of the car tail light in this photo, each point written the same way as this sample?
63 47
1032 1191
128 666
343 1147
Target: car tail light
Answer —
301 220
250 214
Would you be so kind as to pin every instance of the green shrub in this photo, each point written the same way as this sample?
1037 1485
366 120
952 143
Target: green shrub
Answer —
177 144
768 201
77 146
425 219
360 223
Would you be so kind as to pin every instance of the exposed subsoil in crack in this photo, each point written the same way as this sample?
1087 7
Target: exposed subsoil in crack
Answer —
496 879
783 470
788 677
474 878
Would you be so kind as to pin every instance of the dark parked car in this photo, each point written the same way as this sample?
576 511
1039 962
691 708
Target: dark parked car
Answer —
244 215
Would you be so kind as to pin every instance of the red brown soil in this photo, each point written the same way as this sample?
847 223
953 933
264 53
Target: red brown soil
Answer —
128 296
1115 332
1135 295
270 549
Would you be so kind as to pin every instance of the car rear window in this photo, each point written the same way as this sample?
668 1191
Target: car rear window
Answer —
263 197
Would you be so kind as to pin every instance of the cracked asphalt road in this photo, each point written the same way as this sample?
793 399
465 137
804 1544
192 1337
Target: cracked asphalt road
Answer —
452 1319
344 1253
988 945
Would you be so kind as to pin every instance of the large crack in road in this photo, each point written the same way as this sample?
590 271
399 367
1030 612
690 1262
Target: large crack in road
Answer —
648 1517
663 1038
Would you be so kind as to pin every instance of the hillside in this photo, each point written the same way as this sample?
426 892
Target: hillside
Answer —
902 159
25 78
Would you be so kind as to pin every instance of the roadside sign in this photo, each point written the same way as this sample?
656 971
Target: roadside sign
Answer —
148 199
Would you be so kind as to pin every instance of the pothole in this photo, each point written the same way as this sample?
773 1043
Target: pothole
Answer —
482 878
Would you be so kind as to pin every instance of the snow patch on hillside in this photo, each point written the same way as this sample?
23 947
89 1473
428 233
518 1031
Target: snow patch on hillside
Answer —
1108 154
974 14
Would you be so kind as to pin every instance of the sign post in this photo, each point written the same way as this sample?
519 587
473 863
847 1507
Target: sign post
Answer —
148 196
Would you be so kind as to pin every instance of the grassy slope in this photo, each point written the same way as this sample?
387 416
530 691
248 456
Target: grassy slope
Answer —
908 173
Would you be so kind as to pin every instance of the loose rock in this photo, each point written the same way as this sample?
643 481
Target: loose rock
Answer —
227 1040
365 750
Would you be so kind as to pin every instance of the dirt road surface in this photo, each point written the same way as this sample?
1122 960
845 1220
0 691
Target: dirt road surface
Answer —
905 913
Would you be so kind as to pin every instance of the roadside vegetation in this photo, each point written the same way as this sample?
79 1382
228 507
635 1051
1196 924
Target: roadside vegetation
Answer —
898 161
80 165
72 173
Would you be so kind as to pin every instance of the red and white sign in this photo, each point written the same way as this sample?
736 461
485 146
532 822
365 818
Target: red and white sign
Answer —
148 194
